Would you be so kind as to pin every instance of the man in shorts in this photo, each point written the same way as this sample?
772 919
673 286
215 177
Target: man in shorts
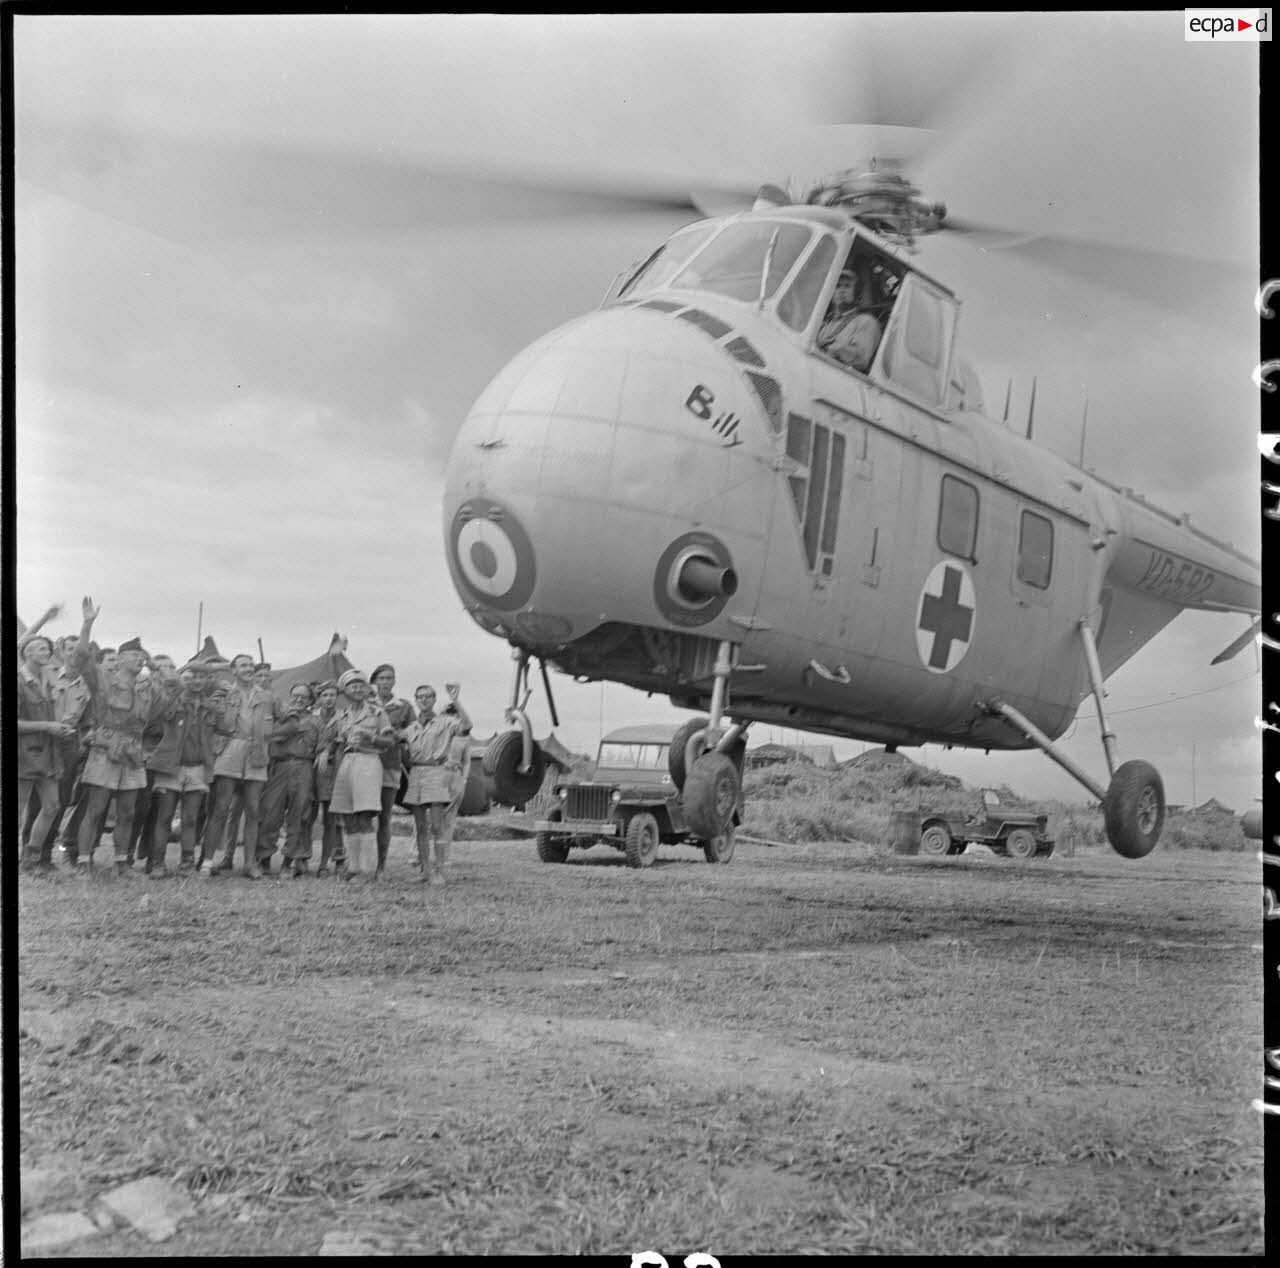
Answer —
354 739
439 750
400 713
248 716
181 763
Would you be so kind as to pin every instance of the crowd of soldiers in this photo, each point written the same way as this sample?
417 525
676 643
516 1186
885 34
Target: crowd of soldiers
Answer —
210 742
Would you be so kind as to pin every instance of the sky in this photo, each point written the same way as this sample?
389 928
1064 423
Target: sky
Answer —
251 311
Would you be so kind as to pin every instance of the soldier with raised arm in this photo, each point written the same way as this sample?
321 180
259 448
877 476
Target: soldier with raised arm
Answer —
438 747
115 767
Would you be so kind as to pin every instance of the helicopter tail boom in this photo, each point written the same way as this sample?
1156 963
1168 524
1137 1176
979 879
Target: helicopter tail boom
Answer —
1163 557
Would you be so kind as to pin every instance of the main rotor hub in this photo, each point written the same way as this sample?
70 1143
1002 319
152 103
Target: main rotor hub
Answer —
885 201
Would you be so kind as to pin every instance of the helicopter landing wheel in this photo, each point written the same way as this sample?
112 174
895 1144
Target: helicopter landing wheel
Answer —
720 849
1134 809
676 753
512 786
711 795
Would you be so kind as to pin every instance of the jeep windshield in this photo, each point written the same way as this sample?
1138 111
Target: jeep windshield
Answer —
633 756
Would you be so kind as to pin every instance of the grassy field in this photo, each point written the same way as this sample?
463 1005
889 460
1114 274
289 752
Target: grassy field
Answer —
817 1048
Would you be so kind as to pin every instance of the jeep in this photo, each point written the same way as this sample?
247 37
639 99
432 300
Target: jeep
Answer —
629 803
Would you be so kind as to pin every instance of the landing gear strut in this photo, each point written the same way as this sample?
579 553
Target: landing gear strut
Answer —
706 760
514 759
1133 803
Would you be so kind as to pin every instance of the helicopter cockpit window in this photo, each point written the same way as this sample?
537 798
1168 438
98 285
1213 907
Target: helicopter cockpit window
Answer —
796 305
667 260
733 263
958 517
1035 550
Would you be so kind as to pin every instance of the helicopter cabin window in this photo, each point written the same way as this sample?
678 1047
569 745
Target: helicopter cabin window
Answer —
854 322
666 261
797 304
1035 550
733 264
958 517
816 485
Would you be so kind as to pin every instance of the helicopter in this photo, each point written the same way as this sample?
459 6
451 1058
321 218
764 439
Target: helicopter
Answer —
689 491
800 498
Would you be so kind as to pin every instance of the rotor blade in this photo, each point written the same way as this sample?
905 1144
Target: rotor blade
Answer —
894 72
1162 278
191 190
1238 645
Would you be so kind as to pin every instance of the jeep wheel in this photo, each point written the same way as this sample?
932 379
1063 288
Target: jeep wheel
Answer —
720 849
553 847
1020 844
935 841
642 839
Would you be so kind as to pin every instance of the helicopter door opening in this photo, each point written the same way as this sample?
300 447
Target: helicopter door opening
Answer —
916 349
853 326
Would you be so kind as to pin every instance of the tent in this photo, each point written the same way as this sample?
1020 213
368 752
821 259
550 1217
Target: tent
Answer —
329 666
321 669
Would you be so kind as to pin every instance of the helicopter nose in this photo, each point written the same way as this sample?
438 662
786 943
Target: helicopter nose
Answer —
612 472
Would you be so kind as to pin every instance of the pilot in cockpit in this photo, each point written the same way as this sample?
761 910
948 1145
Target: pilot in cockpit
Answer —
851 332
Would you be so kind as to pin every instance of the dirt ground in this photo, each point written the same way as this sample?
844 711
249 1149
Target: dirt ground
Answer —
812 1049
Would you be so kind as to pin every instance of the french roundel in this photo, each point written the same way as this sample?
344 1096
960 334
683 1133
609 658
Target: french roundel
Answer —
945 617
492 554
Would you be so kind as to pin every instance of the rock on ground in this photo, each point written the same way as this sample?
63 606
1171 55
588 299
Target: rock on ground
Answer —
151 1205
56 1228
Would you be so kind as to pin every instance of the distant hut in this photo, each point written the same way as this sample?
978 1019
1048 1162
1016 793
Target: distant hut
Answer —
877 759
1212 808
774 755
819 754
